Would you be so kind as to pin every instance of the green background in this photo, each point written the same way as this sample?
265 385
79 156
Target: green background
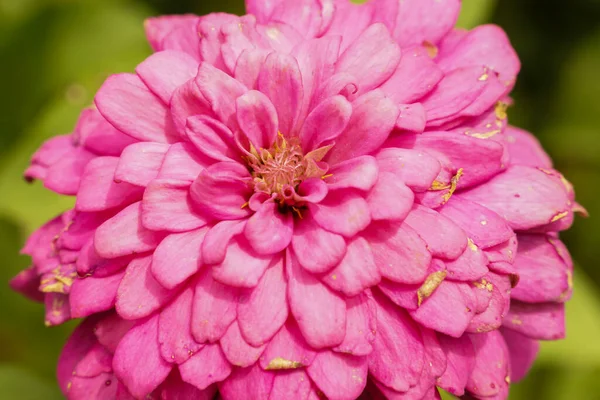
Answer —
55 53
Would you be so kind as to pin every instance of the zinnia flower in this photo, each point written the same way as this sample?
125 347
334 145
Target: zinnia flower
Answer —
317 200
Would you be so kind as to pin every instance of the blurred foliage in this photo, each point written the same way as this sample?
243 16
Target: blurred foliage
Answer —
56 53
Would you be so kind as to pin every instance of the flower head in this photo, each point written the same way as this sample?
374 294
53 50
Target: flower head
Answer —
317 200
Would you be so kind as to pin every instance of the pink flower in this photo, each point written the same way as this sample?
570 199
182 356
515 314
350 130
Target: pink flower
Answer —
323 200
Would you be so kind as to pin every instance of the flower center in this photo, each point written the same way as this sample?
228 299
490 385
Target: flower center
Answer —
279 170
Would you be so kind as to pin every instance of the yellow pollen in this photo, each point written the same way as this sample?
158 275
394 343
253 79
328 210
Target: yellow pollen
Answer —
432 49
560 216
280 363
431 283
500 110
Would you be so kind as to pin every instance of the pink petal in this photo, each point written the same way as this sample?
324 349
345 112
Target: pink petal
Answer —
374 115
99 135
321 326
167 207
350 20
238 36
470 266
357 270
339 376
361 326
544 275
525 149
214 247
124 234
78 344
263 310
262 10
93 295
237 350
90 263
479 164
287 350
210 32
455 92
399 253
206 367
372 58
485 45
491 364
523 352
27 283
213 310
390 199
325 122
182 162
398 356
158 28
183 39
221 92
139 294
443 237
316 249
140 162
303 15
449 309
417 169
497 289
544 321
248 66
425 21
316 60
345 213
524 196
269 231
461 361
416 75
65 175
358 173
137 361
312 190
174 336
412 118
220 191
95 388
281 81
98 190
96 361
111 329
188 101
295 384
174 388
212 138
483 226
178 257
164 71
257 118
127 103
242 266
253 382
